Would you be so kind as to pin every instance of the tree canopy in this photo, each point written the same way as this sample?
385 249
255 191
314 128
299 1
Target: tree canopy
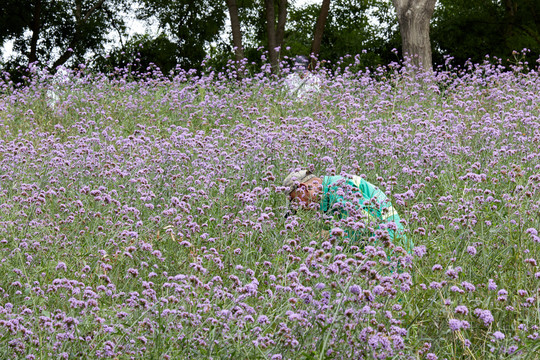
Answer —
70 32
472 29
53 32
191 25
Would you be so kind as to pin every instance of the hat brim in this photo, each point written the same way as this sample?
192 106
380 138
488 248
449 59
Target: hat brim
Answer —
303 180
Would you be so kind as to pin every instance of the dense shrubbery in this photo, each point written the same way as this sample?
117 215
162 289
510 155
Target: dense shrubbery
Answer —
145 218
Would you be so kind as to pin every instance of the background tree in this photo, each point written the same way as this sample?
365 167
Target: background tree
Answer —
15 17
191 25
275 33
236 30
414 18
53 32
248 30
470 29
70 32
319 29
365 27
140 53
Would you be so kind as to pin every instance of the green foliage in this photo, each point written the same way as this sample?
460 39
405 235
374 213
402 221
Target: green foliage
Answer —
352 27
140 54
14 17
71 31
191 25
62 30
472 29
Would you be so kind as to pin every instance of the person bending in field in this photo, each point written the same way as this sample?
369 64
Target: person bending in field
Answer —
344 197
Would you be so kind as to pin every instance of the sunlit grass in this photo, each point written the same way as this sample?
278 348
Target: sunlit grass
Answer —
146 219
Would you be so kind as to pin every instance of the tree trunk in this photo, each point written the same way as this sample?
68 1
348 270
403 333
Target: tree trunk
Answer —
36 24
271 32
319 29
236 32
81 20
282 17
510 10
413 18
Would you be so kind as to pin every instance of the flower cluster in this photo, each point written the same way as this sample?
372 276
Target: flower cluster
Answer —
145 215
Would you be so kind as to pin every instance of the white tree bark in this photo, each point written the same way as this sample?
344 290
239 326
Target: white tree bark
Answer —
414 18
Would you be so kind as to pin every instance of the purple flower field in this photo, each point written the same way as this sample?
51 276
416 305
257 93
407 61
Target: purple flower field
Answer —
144 218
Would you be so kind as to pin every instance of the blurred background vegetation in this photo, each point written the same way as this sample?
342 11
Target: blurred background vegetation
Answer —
192 34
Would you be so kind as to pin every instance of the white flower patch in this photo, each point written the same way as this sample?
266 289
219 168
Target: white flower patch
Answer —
303 85
61 79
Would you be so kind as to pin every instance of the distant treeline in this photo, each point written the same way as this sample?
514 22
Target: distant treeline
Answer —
196 33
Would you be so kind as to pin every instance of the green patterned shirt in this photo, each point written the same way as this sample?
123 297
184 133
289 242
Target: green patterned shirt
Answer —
373 202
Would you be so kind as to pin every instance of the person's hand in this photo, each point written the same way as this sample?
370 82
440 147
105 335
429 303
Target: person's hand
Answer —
324 234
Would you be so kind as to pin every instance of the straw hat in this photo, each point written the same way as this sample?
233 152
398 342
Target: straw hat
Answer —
293 179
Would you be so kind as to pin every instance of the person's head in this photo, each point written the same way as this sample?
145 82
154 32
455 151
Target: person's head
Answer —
301 64
304 188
